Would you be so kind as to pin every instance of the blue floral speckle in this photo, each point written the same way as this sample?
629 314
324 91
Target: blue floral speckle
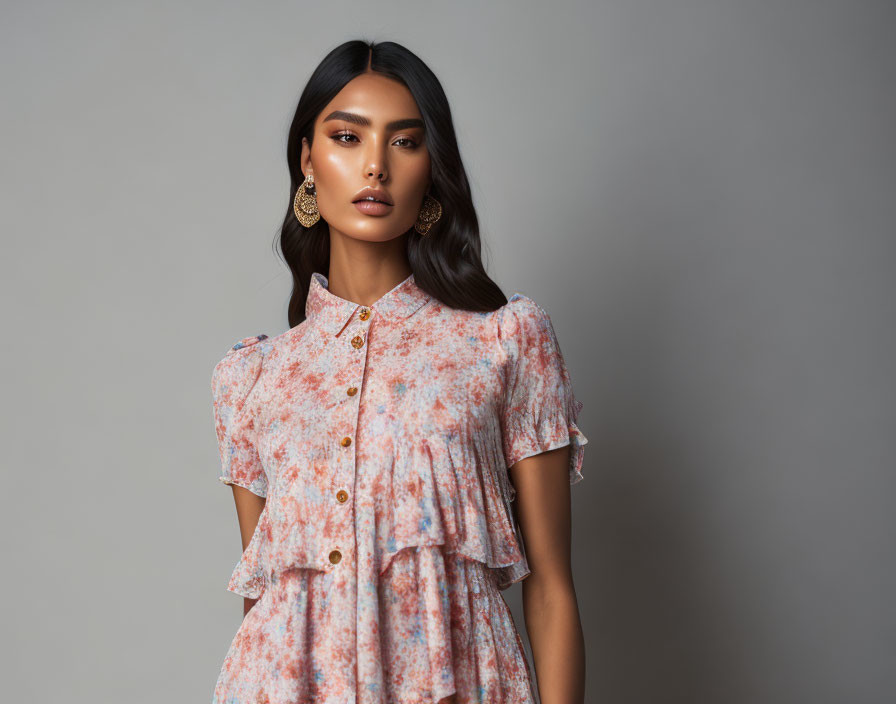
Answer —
239 345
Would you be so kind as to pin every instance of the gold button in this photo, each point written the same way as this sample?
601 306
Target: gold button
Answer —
357 341
335 556
342 496
364 314
351 390
346 441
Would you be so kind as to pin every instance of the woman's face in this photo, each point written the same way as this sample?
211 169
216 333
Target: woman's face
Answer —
370 134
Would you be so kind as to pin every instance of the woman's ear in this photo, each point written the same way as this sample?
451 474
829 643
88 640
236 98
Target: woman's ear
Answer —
305 158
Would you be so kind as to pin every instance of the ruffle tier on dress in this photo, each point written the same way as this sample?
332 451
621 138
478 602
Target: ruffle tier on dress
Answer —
447 492
442 628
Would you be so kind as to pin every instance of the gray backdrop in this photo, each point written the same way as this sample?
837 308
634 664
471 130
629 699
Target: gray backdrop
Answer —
713 239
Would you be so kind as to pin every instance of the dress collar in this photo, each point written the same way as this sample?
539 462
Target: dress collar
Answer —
333 312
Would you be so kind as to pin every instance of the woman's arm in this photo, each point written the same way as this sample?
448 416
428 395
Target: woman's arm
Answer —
542 508
248 510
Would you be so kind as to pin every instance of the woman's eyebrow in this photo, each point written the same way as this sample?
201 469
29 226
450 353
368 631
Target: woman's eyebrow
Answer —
354 118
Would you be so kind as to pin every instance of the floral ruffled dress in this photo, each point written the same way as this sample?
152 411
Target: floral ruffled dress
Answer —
381 437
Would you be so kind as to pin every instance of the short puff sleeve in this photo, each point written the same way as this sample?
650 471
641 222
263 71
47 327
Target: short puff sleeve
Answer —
232 380
540 410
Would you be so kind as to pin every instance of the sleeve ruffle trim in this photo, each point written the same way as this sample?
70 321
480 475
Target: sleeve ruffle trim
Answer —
258 487
558 429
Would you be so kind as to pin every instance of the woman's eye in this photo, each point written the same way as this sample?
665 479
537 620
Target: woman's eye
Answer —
338 137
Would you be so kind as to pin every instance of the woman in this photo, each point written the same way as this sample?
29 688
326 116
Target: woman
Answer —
390 452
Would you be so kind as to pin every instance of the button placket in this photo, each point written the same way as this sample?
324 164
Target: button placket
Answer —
357 338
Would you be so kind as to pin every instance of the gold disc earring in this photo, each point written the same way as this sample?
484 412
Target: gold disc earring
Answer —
429 214
305 203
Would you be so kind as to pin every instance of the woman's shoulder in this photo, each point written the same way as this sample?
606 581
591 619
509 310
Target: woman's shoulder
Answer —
521 315
520 303
240 367
242 349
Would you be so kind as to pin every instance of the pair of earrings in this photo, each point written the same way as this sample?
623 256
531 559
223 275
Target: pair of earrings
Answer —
305 207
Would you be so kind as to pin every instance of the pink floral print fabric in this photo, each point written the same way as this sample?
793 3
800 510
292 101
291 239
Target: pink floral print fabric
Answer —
381 439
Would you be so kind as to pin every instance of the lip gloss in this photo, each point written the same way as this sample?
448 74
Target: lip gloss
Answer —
372 207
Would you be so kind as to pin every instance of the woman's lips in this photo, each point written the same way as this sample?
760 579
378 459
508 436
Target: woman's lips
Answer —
373 207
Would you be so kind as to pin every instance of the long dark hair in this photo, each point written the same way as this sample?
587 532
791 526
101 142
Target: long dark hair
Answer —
447 262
